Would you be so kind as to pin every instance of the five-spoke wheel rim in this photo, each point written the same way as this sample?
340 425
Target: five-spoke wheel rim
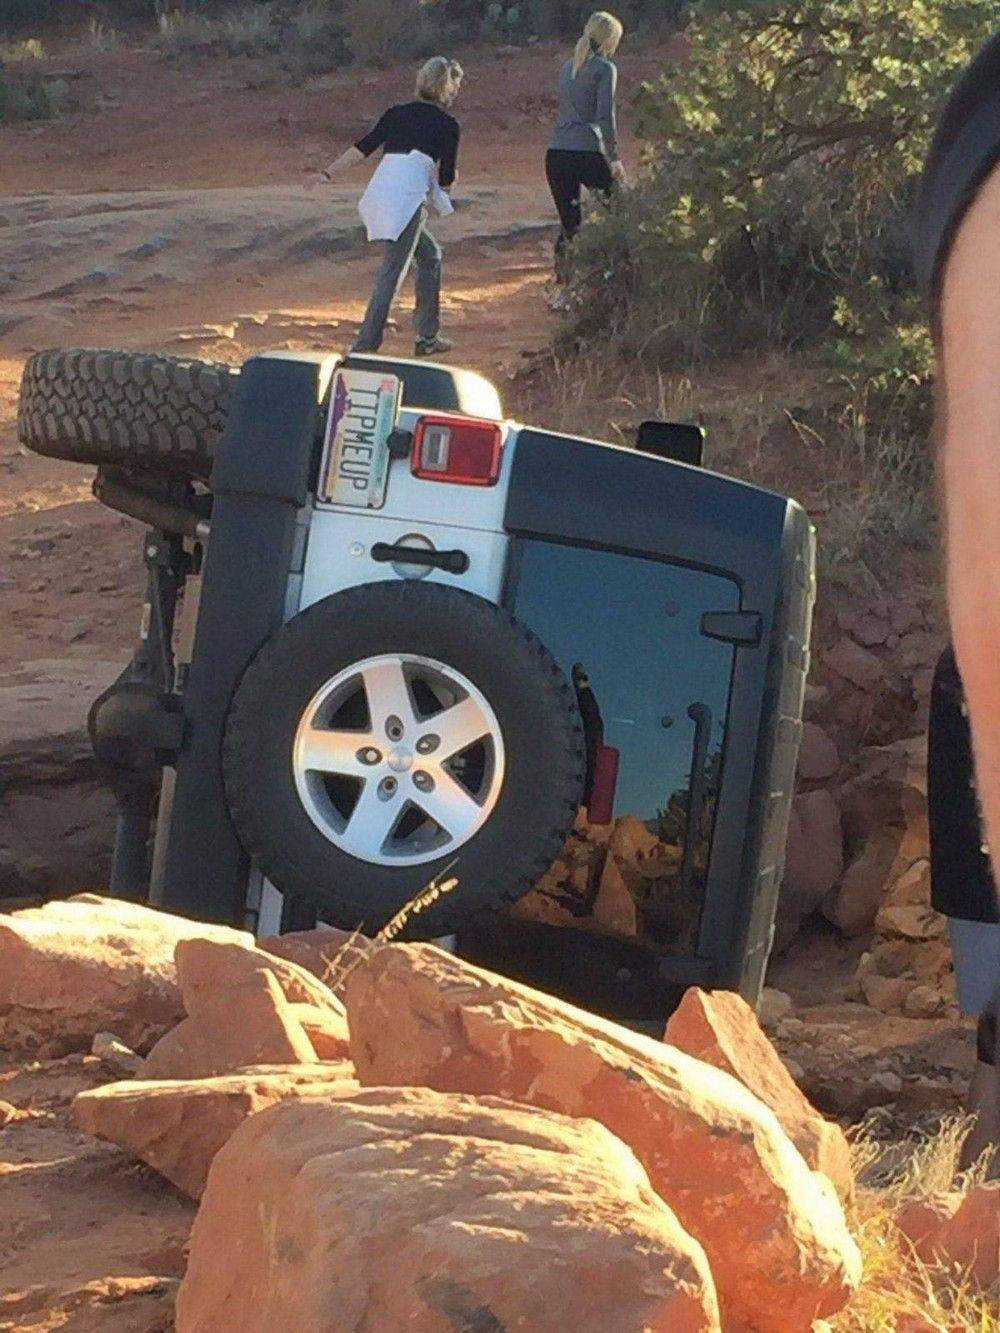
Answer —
398 759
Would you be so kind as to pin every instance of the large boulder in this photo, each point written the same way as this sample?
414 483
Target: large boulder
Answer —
204 966
885 822
411 1209
721 1029
178 1126
854 903
247 1023
773 1230
89 964
814 852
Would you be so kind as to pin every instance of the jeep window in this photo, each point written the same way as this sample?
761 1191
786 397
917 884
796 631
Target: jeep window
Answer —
662 688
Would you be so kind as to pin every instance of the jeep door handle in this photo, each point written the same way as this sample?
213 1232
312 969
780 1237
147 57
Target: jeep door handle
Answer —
453 562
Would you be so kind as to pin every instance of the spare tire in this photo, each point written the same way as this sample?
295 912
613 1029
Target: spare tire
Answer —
397 734
136 410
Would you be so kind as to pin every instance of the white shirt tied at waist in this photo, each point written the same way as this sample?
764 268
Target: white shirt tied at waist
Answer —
401 184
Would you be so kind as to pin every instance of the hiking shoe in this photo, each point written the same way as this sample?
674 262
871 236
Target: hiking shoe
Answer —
433 346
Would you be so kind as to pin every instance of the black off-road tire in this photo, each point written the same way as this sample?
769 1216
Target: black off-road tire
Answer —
135 410
534 703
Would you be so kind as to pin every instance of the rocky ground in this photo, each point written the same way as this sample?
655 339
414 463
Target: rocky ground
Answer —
167 213
367 1134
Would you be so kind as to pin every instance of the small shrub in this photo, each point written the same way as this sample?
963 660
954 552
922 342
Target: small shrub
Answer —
382 32
250 30
316 41
182 34
27 95
102 37
15 53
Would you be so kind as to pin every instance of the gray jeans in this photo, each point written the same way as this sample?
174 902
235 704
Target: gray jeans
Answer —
414 244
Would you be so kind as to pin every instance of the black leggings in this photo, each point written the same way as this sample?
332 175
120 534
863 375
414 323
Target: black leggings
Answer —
568 171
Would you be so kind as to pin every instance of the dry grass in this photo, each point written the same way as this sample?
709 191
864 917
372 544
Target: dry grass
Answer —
778 422
900 1293
358 947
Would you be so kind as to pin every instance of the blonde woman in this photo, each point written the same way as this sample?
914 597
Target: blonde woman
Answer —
583 150
419 140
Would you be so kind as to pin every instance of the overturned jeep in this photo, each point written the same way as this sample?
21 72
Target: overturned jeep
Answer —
393 638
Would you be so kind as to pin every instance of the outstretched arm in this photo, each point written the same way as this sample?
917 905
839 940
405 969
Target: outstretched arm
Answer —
348 158
969 429
365 146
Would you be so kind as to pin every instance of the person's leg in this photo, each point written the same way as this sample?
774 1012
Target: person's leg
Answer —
595 173
395 263
984 1094
427 315
976 952
562 173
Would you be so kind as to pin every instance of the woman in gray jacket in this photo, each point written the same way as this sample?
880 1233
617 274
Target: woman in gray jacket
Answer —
583 150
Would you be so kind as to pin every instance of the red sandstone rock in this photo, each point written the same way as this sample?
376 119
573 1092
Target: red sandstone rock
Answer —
411 1209
910 922
971 1237
818 757
631 840
614 907
178 1126
722 1030
956 1230
922 1217
246 1023
773 1230
854 904
204 967
327 1031
814 852
856 665
886 994
88 964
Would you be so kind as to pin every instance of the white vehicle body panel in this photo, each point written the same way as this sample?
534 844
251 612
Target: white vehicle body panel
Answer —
442 515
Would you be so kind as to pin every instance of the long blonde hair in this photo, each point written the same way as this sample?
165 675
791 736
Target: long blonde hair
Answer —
601 36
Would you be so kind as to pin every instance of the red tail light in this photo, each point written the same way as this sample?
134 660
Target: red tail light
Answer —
458 449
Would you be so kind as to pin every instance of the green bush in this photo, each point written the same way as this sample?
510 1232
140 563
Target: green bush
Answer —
28 95
779 167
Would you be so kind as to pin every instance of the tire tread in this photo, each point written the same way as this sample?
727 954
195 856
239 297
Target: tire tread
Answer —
132 409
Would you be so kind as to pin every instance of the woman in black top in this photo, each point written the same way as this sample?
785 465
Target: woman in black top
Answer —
419 141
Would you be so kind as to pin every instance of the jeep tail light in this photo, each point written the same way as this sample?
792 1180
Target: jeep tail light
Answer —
457 449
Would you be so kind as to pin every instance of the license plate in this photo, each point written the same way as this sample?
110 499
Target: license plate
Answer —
363 407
